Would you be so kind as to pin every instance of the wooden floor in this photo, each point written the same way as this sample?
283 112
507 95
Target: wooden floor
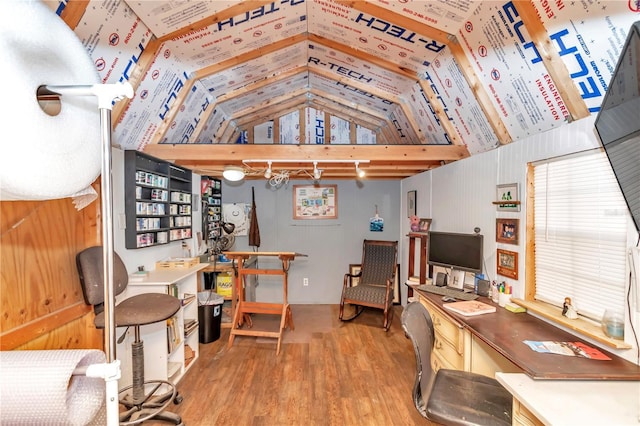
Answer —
352 374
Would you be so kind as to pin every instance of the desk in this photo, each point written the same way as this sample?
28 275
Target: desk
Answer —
547 389
569 402
501 335
244 307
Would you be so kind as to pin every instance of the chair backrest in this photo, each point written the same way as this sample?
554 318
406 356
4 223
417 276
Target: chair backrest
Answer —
89 262
379 261
418 326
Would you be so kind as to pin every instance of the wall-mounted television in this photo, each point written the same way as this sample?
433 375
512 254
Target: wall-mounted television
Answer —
618 122
462 252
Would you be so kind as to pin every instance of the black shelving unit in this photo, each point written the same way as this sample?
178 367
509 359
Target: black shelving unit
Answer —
211 192
157 201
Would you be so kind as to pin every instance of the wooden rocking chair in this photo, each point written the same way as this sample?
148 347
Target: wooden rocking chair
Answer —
375 282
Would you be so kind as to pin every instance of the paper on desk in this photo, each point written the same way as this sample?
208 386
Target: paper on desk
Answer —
566 348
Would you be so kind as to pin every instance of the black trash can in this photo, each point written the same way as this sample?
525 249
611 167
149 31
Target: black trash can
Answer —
209 316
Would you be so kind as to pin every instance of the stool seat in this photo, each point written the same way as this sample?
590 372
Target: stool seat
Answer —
142 309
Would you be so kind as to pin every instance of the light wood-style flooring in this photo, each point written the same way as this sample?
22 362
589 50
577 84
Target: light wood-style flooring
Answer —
351 373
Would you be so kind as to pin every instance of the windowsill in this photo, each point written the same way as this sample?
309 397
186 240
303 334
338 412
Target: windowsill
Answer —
580 325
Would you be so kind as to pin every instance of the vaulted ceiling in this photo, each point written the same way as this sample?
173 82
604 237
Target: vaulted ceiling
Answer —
403 86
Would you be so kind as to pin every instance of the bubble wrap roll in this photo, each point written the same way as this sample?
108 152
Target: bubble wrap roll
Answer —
37 387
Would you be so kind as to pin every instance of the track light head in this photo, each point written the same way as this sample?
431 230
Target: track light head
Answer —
359 172
316 173
267 173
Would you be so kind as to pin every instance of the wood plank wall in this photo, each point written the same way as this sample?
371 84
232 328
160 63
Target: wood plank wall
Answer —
41 301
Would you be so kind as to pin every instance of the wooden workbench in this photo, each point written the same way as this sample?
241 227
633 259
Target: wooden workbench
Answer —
244 307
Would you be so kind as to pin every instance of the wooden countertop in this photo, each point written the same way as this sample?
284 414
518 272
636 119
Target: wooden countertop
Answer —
505 331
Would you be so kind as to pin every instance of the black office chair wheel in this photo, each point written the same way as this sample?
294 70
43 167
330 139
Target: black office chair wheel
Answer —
178 399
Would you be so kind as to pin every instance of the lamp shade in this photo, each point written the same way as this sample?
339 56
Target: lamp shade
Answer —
228 227
233 173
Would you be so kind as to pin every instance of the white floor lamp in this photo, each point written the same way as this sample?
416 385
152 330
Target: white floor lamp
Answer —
107 95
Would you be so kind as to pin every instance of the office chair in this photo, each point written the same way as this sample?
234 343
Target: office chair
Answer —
451 397
134 312
375 281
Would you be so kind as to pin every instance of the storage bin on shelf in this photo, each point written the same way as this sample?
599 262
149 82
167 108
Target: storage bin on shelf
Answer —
224 284
178 263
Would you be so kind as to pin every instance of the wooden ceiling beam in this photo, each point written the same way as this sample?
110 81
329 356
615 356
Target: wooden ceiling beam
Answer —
73 12
239 152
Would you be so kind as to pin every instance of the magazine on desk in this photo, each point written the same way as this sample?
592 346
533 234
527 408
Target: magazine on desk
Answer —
566 348
469 308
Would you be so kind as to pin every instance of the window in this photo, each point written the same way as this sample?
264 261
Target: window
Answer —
581 225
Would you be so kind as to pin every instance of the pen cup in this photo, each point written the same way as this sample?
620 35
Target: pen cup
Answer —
503 299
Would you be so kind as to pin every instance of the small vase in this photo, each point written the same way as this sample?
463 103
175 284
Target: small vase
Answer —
613 324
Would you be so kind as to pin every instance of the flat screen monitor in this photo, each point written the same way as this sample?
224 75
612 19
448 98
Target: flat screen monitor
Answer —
462 252
618 122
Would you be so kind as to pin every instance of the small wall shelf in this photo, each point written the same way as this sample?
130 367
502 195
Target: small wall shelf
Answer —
157 201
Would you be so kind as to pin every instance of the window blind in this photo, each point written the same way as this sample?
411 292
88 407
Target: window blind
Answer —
580 234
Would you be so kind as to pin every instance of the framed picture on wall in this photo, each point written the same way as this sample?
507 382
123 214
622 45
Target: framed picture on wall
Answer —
315 201
411 203
423 225
507 230
507 263
354 268
507 198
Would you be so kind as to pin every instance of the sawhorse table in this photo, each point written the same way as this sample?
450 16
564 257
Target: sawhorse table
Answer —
244 308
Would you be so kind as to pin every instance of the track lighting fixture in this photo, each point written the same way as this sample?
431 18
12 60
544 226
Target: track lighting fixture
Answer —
276 175
267 173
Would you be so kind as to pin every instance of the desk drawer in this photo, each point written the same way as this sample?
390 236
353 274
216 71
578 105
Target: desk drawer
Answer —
522 416
447 354
446 328
438 363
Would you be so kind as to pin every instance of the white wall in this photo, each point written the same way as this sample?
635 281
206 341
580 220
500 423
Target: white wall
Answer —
458 196
330 245
148 256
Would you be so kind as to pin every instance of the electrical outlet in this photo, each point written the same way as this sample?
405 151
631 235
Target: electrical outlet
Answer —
305 282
